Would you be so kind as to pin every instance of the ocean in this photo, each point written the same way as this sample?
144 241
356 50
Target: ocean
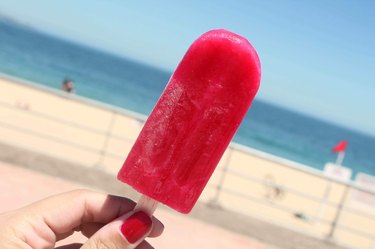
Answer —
28 54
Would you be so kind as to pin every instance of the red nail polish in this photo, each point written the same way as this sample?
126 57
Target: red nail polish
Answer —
136 226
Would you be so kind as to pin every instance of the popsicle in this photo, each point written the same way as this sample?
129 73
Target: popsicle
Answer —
194 120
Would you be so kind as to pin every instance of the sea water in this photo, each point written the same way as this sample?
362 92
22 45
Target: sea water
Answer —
46 60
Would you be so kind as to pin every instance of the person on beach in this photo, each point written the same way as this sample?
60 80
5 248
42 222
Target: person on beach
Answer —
68 86
107 221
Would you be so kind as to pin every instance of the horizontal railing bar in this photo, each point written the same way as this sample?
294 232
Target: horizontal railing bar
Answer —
282 161
113 155
313 198
358 212
355 231
54 119
275 205
245 196
59 140
122 138
63 121
48 137
293 191
297 167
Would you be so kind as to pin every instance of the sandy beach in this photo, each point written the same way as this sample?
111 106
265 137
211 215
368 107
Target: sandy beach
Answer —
256 184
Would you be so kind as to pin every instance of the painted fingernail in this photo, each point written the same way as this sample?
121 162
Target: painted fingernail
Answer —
136 226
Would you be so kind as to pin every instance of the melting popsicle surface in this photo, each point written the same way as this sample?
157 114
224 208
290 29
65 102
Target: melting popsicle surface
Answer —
194 120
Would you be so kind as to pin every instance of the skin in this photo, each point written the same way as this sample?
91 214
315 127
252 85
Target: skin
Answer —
97 216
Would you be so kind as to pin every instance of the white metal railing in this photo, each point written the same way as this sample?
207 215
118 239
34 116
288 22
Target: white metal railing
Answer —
334 226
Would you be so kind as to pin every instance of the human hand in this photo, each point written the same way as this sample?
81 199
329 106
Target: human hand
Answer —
107 221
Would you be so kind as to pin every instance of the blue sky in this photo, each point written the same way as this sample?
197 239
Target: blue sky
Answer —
318 57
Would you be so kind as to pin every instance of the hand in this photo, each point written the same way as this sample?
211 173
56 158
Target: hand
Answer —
108 221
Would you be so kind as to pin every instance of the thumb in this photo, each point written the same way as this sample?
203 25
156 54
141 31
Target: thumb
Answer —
126 232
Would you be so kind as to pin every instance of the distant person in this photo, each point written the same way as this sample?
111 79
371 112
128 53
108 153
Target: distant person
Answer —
68 86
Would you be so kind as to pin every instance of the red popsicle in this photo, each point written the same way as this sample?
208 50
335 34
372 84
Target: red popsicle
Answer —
194 120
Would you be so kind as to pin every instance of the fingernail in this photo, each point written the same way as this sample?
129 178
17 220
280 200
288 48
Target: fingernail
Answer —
136 226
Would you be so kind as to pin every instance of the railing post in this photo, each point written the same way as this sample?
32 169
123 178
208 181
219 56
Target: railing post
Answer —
214 202
106 140
338 213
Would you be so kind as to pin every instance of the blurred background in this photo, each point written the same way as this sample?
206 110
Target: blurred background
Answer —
78 79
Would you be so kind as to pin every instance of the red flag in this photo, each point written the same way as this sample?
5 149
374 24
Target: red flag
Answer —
340 147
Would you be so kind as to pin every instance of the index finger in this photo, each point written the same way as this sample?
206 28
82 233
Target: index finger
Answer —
64 212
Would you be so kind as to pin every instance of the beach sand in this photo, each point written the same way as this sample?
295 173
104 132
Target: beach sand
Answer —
258 185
